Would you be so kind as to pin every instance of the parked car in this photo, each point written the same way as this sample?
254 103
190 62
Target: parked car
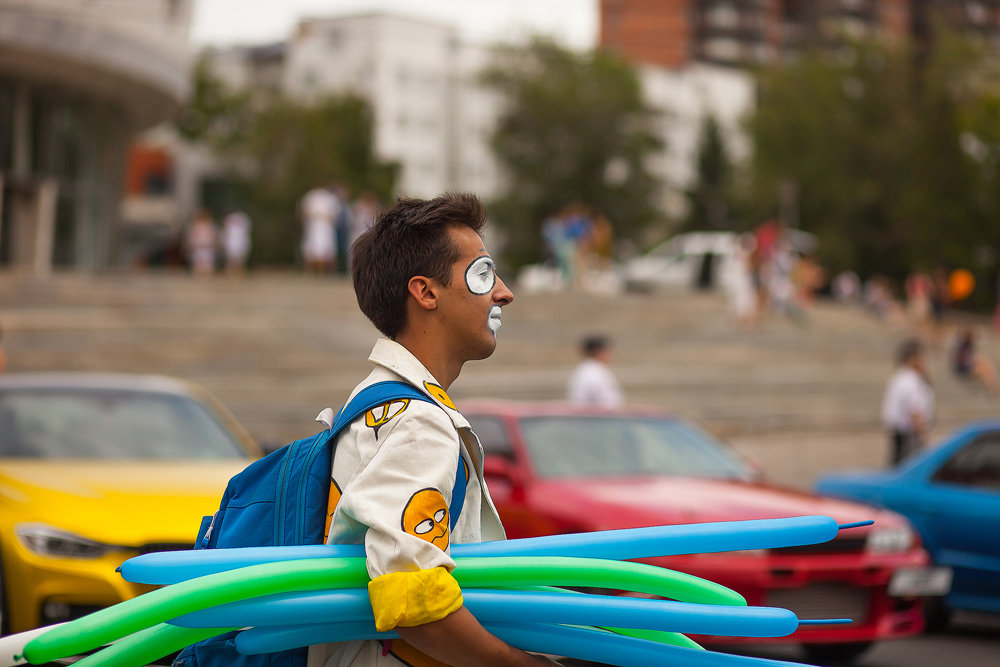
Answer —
697 259
95 469
951 495
560 469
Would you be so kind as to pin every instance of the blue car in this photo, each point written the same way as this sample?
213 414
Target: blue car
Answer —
951 495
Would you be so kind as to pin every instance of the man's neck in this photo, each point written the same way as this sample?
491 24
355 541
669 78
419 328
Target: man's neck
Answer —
433 358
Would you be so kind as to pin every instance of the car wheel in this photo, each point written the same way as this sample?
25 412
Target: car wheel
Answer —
836 654
937 615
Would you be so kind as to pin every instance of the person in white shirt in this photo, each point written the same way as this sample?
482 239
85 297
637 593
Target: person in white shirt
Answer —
319 210
908 402
592 382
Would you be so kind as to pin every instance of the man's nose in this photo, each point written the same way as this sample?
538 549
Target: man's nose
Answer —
502 295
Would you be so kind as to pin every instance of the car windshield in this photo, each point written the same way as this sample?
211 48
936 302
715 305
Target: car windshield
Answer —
109 424
610 446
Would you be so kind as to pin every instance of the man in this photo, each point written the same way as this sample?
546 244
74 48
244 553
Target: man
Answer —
908 402
592 382
422 275
319 210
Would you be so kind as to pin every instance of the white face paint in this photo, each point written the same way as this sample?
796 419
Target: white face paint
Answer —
494 321
481 276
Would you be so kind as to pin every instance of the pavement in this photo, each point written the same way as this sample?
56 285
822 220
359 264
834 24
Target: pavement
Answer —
799 398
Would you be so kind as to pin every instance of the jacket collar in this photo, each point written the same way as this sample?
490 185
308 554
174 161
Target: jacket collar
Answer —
394 357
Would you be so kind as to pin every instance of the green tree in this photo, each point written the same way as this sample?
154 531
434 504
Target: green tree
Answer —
708 199
275 149
293 148
574 129
881 145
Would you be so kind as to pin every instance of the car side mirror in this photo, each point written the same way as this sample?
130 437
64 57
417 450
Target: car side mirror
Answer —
498 466
500 471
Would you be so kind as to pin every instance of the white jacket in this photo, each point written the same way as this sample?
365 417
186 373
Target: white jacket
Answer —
394 471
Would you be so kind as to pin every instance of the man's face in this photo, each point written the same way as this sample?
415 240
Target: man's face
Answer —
471 303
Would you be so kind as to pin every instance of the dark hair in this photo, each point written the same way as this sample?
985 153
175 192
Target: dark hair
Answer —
908 350
593 344
409 239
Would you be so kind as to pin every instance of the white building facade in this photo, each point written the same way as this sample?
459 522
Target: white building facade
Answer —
433 116
430 113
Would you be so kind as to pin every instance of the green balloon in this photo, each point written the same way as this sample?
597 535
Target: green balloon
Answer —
159 606
148 645
511 572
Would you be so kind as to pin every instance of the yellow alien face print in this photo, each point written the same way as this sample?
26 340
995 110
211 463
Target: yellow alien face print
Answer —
381 415
426 516
331 506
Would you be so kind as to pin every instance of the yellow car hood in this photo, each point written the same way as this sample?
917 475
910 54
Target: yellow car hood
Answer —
124 503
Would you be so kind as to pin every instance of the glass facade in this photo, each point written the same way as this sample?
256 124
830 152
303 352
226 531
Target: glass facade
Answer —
70 147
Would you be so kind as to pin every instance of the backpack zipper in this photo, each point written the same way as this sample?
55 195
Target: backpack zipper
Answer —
300 528
279 513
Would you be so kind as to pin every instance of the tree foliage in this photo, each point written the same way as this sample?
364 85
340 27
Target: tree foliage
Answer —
275 149
894 156
709 197
574 129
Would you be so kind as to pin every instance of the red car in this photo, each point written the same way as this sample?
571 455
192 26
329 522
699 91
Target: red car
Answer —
560 469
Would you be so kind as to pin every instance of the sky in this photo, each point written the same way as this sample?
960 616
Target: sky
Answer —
231 22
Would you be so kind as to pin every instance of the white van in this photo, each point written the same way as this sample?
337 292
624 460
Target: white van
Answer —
694 259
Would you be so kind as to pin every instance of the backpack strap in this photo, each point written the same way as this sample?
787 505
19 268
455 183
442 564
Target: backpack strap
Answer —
393 390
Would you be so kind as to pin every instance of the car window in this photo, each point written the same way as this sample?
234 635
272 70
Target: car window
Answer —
977 464
492 434
99 424
597 446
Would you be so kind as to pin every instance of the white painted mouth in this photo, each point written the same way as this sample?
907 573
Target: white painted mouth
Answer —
494 321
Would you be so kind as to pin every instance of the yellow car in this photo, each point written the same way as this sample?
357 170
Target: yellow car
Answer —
95 469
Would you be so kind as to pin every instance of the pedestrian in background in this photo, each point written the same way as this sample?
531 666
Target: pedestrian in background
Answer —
908 402
236 242
319 209
362 216
592 382
201 242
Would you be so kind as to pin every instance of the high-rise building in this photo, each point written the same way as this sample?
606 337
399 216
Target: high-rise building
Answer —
673 33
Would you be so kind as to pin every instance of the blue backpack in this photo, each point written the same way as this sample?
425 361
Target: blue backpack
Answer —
281 500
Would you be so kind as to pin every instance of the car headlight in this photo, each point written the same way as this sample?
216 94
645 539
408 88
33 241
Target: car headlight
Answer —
49 541
889 540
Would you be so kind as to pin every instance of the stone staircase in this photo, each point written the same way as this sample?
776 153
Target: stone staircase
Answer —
800 398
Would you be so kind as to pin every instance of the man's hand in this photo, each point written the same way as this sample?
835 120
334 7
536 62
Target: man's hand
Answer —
459 639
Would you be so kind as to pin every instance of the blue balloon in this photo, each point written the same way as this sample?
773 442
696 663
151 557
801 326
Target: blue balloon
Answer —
573 642
626 544
502 605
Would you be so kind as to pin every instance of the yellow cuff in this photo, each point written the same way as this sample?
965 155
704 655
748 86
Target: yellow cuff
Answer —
413 598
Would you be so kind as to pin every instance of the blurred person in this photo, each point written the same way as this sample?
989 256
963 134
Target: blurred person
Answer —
968 363
808 277
918 288
236 242
362 216
846 286
201 243
3 356
879 300
908 402
319 210
740 288
940 304
592 382
423 277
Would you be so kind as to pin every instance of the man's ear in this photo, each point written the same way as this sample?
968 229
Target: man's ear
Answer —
424 292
